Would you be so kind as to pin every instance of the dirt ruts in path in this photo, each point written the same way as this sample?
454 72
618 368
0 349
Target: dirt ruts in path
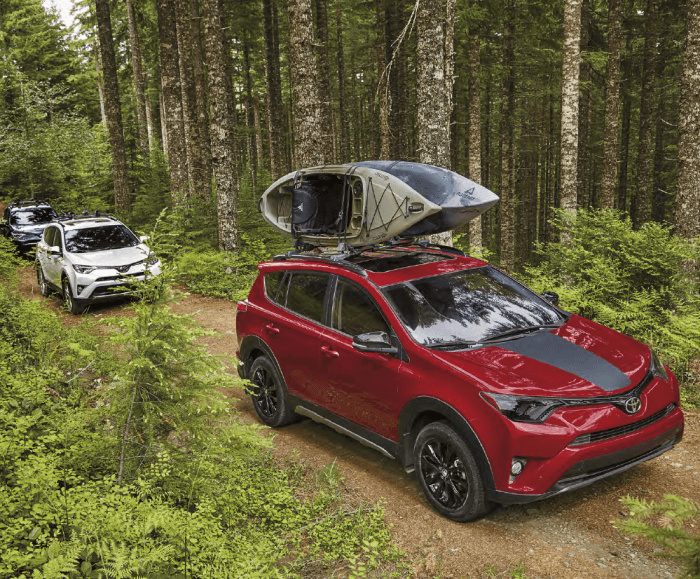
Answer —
570 536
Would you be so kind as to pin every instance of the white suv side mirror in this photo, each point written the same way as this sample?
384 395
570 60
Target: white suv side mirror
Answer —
144 238
56 250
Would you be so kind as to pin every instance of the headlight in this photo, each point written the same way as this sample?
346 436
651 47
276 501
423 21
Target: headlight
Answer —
84 268
656 367
523 408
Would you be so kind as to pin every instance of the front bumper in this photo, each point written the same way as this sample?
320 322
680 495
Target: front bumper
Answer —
108 284
589 471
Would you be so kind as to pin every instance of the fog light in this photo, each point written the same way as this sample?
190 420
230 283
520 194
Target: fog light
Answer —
517 467
80 289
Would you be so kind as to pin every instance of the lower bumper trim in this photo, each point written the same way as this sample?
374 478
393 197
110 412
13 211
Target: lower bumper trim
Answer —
624 460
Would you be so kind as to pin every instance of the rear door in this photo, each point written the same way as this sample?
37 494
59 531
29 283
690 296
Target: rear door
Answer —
51 264
294 330
361 386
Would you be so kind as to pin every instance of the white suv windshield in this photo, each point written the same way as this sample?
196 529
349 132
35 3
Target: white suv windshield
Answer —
467 307
100 239
33 216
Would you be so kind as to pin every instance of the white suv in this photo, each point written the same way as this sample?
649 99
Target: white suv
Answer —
91 258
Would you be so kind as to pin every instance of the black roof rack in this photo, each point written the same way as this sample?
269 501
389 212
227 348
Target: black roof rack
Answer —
346 251
18 203
70 216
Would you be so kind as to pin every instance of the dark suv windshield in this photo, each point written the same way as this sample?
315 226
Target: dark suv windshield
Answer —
32 216
467 306
100 239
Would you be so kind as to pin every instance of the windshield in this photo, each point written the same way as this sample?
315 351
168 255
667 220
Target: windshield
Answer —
33 216
467 306
100 239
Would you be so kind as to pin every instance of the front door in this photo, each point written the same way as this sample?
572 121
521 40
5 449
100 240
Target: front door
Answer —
361 386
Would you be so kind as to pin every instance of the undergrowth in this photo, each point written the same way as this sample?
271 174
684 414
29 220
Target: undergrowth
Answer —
119 457
630 280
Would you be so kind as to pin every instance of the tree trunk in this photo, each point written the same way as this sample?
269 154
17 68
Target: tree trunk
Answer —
113 110
172 99
687 201
508 139
645 157
275 105
222 137
569 103
475 239
136 63
612 106
100 80
344 127
324 84
433 98
310 142
258 129
250 116
382 82
399 90
200 83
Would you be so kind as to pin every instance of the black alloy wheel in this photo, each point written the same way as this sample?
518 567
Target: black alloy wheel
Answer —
44 288
448 473
269 393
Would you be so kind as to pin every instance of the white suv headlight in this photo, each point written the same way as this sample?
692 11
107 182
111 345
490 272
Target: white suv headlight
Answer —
84 268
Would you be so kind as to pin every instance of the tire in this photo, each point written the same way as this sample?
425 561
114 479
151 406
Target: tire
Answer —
448 473
44 287
269 394
74 306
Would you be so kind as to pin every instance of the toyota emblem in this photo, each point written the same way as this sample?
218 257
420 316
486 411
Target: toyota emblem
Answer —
632 405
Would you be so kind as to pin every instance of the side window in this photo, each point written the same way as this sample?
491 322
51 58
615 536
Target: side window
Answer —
306 294
355 312
48 235
272 285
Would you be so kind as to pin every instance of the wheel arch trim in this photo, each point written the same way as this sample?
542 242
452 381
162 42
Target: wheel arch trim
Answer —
423 404
248 345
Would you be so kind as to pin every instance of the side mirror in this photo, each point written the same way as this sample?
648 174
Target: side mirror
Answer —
144 238
55 250
374 342
551 297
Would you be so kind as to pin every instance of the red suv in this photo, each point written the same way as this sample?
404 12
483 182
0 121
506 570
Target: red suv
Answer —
487 390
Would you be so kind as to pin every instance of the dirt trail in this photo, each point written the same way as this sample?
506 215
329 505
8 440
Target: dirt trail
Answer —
570 536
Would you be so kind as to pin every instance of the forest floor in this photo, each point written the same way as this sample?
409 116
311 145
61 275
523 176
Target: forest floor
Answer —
569 536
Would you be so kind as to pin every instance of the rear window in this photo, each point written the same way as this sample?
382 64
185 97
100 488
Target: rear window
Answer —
272 284
100 239
307 293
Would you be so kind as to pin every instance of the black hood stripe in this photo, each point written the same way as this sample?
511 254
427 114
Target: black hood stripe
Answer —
549 349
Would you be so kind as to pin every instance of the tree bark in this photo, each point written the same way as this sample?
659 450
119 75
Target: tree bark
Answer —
432 94
324 84
342 113
508 143
383 93
250 116
113 112
310 142
222 137
687 200
569 104
137 66
475 239
172 99
612 106
273 95
645 159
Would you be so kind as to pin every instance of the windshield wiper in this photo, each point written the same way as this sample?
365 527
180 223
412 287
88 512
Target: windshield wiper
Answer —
452 343
522 330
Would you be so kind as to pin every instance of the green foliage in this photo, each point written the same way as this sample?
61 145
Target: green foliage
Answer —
663 523
517 572
119 458
632 281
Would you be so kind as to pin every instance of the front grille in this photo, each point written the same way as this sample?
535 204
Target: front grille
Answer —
622 430
110 290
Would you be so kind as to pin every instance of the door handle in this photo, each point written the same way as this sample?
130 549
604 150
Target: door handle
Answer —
271 329
329 353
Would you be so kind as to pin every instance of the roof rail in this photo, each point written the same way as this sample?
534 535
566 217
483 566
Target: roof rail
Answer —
70 216
336 259
18 203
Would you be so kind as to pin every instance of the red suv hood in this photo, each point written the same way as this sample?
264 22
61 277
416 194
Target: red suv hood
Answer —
579 359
